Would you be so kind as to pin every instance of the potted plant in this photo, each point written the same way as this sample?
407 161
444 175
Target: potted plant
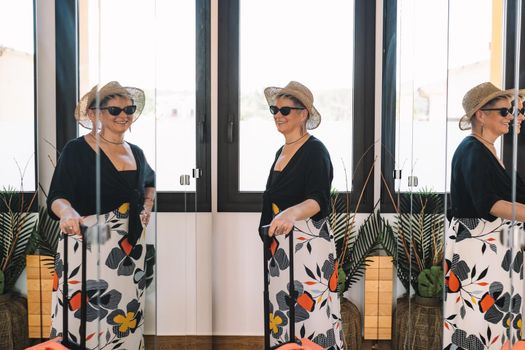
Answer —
416 244
353 247
17 227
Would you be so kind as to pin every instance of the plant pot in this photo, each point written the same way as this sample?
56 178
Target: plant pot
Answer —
420 325
13 322
352 327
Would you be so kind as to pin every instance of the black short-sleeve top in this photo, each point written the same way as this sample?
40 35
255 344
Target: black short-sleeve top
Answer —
478 180
74 179
308 175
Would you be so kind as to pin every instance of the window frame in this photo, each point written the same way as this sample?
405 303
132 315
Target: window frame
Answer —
230 199
67 83
510 79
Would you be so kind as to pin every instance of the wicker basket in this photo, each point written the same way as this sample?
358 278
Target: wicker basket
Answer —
419 327
13 322
352 326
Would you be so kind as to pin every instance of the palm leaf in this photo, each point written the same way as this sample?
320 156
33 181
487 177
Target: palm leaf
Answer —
419 235
367 243
45 241
17 226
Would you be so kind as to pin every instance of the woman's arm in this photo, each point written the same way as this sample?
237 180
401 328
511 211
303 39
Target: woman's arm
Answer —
284 221
149 200
70 220
503 209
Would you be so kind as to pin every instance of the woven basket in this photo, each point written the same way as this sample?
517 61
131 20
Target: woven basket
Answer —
352 327
13 322
419 327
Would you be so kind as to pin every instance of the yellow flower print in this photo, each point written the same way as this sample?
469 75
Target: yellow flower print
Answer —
126 322
275 322
124 208
275 209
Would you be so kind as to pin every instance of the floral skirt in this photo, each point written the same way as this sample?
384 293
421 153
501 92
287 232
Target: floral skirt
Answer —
115 305
484 286
317 310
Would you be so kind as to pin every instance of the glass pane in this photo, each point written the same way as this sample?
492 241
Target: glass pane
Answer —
156 57
17 88
474 56
283 52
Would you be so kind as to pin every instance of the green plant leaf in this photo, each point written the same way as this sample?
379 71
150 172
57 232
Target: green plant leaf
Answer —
419 234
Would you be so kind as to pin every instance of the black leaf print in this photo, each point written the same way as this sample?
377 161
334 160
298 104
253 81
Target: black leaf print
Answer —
107 333
469 304
489 333
72 337
483 339
494 248
75 247
462 312
473 272
118 345
318 271
309 247
303 331
323 303
298 247
74 272
309 272
483 248
451 317
483 274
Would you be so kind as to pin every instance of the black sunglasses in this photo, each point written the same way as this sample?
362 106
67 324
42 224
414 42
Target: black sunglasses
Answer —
502 111
115 111
284 110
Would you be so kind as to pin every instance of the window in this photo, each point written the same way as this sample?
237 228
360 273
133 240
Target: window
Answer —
435 66
293 46
166 54
17 88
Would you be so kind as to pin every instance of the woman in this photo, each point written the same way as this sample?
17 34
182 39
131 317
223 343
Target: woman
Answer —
297 197
115 292
484 277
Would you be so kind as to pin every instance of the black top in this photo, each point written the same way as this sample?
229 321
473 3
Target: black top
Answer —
308 175
131 177
478 181
74 179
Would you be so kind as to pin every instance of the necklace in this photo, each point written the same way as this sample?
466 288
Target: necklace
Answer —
108 141
479 136
289 143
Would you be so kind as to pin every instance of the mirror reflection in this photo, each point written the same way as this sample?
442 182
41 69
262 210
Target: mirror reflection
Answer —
141 133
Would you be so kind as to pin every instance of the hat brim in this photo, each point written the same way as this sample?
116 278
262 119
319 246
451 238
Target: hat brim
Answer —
136 95
314 117
465 121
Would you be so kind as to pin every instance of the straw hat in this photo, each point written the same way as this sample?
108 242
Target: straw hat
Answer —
476 98
300 92
111 88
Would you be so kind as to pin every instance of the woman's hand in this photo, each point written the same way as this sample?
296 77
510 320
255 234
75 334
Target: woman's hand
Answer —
145 215
70 221
282 223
